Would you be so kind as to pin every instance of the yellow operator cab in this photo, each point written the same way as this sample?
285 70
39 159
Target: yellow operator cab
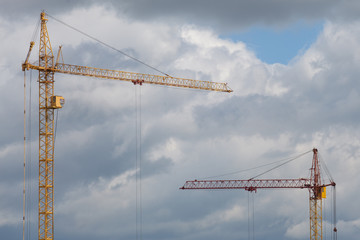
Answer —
57 102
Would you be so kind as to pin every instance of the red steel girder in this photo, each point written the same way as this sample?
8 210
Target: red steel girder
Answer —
249 185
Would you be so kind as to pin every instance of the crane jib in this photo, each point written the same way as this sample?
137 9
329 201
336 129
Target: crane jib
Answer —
133 77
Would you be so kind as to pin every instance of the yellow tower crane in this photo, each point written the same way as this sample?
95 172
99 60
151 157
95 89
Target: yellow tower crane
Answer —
48 102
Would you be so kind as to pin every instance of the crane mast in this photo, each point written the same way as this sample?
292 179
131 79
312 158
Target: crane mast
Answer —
46 136
49 102
317 191
315 201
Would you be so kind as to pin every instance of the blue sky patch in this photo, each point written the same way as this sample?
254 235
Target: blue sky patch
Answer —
279 45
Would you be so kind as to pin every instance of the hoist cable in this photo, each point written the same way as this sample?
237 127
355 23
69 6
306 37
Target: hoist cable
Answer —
136 166
248 215
251 216
334 213
56 121
29 161
24 187
323 210
138 162
27 167
107 45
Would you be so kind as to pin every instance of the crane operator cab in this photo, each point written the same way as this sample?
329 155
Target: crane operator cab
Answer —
57 102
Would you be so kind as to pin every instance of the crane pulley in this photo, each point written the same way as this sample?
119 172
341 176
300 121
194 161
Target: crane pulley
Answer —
48 102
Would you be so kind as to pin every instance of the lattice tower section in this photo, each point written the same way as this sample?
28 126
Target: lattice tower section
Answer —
46 136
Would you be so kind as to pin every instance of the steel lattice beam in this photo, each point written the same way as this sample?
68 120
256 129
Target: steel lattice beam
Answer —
46 137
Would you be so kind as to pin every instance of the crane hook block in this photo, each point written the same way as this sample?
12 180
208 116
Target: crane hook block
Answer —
57 102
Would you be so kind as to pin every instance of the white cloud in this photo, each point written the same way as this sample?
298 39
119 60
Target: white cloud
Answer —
170 149
234 213
85 207
298 231
227 61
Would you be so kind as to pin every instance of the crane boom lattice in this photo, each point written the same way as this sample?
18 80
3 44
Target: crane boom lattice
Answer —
46 136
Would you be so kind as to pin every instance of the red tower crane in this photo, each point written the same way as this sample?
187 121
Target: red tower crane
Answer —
317 191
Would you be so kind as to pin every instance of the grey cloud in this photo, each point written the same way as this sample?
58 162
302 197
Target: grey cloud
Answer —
225 16
304 109
233 15
228 14
20 10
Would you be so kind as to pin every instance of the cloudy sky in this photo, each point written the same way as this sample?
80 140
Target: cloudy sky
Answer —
293 66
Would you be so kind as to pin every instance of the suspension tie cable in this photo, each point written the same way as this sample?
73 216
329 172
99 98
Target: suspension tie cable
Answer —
253 168
292 159
36 30
108 45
